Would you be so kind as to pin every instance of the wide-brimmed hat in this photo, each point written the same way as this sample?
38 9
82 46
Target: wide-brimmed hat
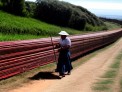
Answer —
63 33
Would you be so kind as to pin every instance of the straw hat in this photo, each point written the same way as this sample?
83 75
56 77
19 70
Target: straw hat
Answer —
63 33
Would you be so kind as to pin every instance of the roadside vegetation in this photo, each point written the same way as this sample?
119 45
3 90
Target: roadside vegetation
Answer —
112 25
20 20
107 82
65 14
20 28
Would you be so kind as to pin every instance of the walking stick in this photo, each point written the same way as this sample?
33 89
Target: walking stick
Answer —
53 48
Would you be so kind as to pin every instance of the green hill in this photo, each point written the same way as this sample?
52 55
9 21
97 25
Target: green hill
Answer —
56 16
18 28
49 18
15 28
65 14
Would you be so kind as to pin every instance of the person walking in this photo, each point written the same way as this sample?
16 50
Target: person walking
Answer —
64 61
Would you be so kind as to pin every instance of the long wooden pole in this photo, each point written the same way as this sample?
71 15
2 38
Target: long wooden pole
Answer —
53 48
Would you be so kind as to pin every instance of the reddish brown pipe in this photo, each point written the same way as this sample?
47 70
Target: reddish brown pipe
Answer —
20 56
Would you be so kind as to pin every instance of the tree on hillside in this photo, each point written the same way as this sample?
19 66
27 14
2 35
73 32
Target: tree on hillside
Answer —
14 6
53 11
65 14
18 6
60 13
0 4
30 8
5 3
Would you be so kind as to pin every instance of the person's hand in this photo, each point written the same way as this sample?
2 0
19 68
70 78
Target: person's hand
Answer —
57 46
59 49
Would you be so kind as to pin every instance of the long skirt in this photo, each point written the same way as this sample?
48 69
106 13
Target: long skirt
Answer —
64 62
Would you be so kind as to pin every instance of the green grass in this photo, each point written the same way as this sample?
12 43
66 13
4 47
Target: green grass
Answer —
107 80
15 25
117 62
115 65
12 37
101 88
121 85
111 25
20 28
110 74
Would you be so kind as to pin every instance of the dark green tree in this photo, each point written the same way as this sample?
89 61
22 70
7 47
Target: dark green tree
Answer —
5 3
65 14
16 7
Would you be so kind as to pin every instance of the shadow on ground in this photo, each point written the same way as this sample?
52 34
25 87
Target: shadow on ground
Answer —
44 75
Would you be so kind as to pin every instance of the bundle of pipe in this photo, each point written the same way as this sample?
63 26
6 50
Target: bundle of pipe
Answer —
20 56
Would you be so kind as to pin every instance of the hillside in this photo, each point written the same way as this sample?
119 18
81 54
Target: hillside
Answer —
65 14
19 28
16 28
54 12
49 18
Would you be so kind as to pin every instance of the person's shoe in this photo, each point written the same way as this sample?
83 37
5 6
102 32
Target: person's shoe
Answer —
68 73
56 70
62 75
59 77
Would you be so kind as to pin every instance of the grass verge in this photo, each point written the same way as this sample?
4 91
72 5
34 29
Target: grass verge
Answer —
105 83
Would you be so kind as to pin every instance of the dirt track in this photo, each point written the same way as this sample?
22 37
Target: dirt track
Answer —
82 77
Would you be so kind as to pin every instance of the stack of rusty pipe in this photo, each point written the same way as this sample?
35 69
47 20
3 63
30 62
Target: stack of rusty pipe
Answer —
20 56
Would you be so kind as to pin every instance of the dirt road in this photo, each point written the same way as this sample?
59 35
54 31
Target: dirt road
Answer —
82 77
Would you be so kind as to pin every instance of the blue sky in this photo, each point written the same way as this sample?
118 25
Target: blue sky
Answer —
99 7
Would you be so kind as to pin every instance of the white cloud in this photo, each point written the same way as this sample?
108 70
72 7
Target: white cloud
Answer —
109 7
101 5
31 0
96 4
